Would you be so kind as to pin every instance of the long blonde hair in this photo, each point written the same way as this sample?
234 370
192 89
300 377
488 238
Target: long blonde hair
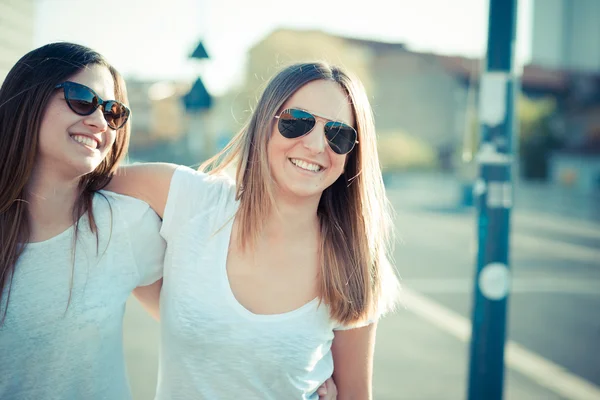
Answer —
358 280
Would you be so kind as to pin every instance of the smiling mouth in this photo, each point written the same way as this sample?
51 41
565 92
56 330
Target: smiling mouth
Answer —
86 141
306 165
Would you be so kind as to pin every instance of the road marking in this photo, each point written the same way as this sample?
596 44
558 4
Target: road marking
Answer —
540 370
517 285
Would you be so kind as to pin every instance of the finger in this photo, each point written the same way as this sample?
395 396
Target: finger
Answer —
331 388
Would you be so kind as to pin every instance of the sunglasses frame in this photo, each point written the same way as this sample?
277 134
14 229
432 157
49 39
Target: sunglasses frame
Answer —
100 103
314 115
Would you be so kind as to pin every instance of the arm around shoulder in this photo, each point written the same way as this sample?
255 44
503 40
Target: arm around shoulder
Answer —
148 182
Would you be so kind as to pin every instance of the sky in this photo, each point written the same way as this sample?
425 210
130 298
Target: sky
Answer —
152 39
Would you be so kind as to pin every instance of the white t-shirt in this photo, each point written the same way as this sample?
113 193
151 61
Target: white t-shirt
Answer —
51 351
211 346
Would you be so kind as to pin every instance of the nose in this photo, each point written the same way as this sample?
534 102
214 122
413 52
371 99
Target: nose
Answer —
97 120
315 141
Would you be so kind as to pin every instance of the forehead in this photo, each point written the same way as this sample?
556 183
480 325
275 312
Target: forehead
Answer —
325 98
98 78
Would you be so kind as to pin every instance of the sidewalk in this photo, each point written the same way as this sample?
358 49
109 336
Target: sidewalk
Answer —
414 360
419 355
141 337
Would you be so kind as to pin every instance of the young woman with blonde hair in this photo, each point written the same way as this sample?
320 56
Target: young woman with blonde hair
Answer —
275 280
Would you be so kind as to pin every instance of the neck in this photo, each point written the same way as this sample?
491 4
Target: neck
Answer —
292 219
51 200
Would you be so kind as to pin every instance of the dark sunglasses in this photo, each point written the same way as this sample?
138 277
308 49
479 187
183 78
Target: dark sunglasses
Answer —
294 123
84 101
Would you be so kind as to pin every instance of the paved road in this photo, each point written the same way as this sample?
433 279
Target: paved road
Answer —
554 309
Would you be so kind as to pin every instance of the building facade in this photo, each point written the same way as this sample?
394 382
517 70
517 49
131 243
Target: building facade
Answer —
566 34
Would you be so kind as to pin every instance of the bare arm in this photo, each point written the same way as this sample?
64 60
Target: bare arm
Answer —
353 362
148 182
149 297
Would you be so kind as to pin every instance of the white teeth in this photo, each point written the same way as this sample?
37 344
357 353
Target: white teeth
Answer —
85 140
304 165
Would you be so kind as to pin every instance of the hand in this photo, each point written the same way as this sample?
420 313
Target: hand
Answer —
328 390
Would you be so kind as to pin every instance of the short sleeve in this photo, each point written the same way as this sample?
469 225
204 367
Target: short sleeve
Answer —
370 319
192 193
147 246
360 324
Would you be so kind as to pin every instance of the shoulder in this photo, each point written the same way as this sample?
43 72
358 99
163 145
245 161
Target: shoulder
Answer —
197 188
144 172
183 174
128 208
149 182
194 194
125 214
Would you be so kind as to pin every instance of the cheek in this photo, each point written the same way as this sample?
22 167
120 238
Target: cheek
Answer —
278 145
54 124
339 163
111 137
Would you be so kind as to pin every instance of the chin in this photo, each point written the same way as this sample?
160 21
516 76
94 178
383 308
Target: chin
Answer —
301 192
84 167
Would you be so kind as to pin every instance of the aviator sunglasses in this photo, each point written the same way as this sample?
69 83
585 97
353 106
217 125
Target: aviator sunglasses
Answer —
294 123
84 101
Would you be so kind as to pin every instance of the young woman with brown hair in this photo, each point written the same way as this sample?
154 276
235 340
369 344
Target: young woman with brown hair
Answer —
71 254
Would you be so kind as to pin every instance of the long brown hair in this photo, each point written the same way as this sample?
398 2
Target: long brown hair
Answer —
358 280
24 96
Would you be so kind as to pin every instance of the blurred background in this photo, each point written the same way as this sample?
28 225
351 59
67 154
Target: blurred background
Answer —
194 69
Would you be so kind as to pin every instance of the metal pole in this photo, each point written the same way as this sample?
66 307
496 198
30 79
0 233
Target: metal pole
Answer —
493 196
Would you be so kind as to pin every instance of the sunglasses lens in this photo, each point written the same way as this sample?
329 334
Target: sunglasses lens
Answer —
116 114
295 123
83 101
80 99
340 136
